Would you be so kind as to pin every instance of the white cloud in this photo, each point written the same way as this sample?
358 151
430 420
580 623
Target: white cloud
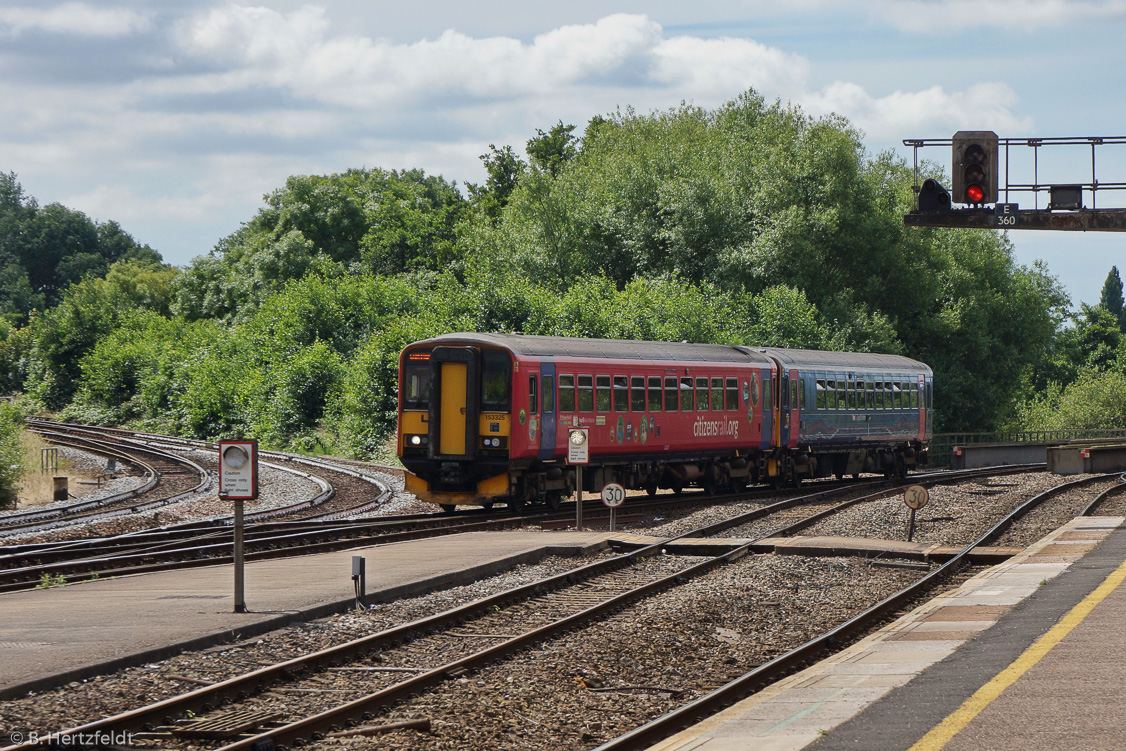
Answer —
294 51
77 19
931 17
932 112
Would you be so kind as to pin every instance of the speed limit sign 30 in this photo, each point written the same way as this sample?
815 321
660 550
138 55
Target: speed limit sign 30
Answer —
613 495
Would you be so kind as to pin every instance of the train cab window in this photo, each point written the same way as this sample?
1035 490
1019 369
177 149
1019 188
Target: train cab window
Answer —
566 393
702 394
621 394
533 394
586 393
672 398
731 393
496 380
637 393
929 388
686 401
767 397
417 382
717 394
602 393
654 393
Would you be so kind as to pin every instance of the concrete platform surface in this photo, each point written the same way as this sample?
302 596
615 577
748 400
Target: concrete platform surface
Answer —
52 636
889 690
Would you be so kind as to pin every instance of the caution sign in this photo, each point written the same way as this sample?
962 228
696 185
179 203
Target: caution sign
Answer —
238 470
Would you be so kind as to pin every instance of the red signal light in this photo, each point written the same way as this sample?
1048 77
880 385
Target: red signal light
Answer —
974 194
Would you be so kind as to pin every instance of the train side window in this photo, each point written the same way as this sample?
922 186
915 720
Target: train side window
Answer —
686 401
822 400
548 395
566 393
914 396
654 393
717 394
621 394
904 395
870 391
702 394
851 388
879 394
842 400
731 393
533 394
801 393
794 394
930 390
672 399
586 393
602 393
637 393
767 396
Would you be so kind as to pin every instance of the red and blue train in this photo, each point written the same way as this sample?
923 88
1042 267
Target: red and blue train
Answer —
483 418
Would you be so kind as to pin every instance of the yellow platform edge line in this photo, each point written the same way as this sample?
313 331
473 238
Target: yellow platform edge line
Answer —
945 731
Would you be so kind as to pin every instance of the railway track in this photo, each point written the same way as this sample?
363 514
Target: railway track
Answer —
483 632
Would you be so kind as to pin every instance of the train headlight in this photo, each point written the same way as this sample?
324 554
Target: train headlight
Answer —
416 440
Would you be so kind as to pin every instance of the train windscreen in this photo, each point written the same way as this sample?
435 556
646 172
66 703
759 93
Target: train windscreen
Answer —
496 381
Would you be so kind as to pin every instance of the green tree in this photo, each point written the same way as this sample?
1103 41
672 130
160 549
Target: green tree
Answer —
552 150
11 454
1111 297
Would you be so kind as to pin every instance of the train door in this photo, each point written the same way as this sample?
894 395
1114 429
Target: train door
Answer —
788 401
547 407
922 408
768 421
454 375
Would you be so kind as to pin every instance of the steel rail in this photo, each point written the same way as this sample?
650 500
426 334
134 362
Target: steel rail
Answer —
777 668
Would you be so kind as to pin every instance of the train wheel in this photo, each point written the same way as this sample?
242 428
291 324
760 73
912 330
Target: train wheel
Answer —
651 489
554 501
516 505
795 480
449 508
487 505
710 483
677 488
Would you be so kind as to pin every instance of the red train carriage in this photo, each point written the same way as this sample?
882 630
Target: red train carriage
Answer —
483 417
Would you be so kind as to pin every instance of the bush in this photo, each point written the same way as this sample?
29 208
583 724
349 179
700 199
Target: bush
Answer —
11 453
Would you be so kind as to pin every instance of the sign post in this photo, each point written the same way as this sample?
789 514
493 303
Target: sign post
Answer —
578 454
613 495
915 497
238 482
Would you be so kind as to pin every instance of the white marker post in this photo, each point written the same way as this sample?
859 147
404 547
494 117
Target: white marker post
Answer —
238 482
578 454
613 495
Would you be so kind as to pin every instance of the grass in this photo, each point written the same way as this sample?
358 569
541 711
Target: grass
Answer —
37 485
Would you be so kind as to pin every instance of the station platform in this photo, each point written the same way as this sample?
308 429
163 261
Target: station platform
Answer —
1029 654
51 637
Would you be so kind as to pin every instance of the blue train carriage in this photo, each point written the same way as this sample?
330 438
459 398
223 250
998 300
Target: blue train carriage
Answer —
844 413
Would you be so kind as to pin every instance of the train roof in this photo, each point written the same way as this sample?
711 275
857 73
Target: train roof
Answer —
812 359
627 349
608 349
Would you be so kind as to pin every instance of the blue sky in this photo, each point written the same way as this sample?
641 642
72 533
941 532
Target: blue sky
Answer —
174 117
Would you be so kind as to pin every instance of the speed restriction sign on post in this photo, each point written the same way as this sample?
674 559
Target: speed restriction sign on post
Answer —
613 495
916 496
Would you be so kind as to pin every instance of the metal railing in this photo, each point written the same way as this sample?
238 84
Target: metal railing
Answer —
942 444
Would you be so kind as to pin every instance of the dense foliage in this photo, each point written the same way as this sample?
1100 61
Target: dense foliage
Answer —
43 250
752 223
11 453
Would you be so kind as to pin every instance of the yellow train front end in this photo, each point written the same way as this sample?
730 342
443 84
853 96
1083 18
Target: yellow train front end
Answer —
455 424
